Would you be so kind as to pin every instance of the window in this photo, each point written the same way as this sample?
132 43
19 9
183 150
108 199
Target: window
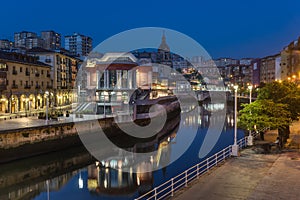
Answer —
2 66
48 59
14 82
42 71
21 83
42 83
14 70
31 83
21 69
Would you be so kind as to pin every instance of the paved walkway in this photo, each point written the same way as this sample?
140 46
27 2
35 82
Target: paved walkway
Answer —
250 176
27 122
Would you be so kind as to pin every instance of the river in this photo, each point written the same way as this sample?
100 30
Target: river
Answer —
76 174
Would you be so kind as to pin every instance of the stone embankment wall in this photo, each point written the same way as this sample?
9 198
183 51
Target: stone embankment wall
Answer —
18 137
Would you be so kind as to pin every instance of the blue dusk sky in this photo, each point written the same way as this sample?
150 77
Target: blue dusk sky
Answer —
231 28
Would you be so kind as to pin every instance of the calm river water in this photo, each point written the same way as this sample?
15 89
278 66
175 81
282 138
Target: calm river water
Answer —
75 174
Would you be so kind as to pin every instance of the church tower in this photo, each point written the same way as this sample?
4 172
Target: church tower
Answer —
164 55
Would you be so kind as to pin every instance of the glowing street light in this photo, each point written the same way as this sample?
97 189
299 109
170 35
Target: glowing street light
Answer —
47 105
250 138
235 146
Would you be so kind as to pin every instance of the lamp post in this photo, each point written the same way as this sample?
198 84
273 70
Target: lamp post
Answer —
235 146
26 105
47 105
250 138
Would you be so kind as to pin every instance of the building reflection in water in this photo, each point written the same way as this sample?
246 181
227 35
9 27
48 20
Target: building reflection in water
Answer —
106 180
26 179
32 190
203 116
109 177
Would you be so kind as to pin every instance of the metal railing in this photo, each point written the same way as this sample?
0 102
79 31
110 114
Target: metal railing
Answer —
169 187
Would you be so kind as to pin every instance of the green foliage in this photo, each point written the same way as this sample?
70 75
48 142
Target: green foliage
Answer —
277 105
264 113
287 93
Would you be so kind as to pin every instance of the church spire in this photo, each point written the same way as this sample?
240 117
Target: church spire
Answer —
163 45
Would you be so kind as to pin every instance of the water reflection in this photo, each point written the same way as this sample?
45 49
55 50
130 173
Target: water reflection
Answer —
40 176
75 174
208 115
25 179
105 180
112 176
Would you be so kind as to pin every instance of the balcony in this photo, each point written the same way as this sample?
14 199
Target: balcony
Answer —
27 87
37 87
14 72
48 75
37 74
14 86
27 73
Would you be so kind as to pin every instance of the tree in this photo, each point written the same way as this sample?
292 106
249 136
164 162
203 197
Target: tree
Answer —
287 93
264 113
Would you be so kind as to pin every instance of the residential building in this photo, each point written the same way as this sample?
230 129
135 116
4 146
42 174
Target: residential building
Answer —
290 61
255 68
78 44
6 44
28 40
222 62
23 82
268 68
245 61
34 42
52 40
278 75
63 73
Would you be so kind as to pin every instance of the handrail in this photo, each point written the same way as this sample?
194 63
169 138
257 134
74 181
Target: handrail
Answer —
169 187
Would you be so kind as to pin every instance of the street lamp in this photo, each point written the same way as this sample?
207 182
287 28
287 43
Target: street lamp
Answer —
250 138
47 105
235 146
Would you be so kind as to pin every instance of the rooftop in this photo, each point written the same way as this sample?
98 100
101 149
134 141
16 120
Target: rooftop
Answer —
20 58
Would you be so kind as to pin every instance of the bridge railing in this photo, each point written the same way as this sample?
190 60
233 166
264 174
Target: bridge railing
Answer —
169 187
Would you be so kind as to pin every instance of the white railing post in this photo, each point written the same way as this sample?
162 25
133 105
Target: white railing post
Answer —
216 159
155 193
197 171
207 165
224 154
172 188
186 178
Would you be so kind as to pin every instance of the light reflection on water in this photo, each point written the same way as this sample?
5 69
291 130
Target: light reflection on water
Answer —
75 174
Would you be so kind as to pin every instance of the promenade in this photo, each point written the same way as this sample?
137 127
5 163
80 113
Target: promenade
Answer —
252 175
29 122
